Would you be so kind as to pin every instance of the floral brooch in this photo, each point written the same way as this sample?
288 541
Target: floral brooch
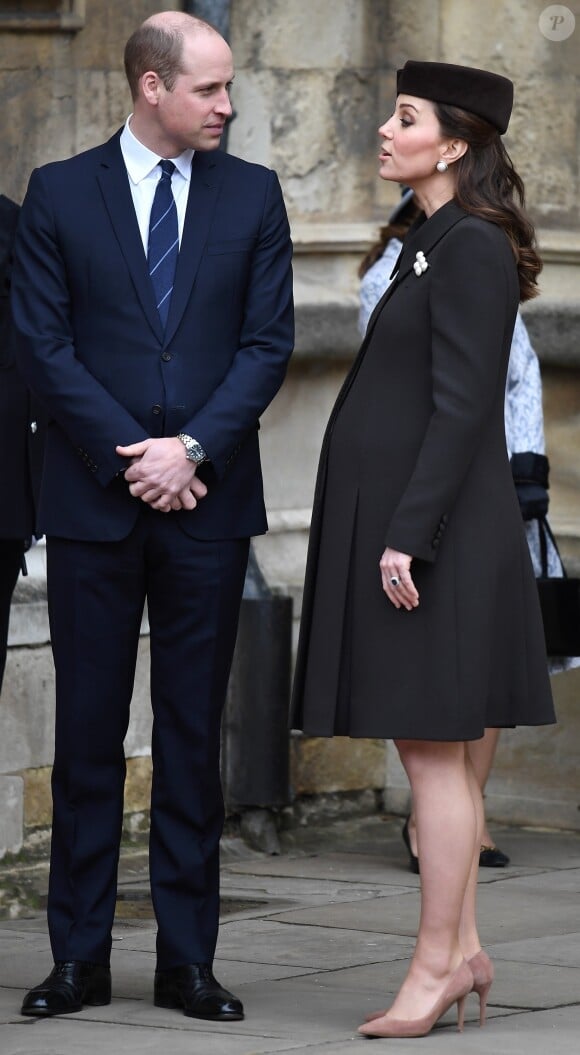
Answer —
420 264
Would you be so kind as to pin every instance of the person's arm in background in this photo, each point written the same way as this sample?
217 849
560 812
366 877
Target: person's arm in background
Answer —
524 422
524 414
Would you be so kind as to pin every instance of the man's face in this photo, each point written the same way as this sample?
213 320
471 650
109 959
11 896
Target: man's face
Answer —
193 114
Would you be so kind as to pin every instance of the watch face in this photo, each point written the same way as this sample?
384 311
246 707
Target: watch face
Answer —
193 450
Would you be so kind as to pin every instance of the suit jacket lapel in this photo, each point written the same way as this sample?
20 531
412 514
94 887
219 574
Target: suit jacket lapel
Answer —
114 183
203 189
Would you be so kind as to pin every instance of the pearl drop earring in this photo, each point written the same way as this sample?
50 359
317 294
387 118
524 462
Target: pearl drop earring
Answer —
441 166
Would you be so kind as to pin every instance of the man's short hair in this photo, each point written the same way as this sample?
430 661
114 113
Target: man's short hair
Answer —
157 49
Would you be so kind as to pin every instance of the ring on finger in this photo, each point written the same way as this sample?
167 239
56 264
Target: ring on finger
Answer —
394 580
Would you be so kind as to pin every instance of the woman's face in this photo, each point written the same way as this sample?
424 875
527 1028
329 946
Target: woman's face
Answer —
412 142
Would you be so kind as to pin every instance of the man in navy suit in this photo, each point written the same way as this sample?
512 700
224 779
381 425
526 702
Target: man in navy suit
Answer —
153 300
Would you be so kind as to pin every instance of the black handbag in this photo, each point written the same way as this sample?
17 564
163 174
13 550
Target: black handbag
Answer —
559 601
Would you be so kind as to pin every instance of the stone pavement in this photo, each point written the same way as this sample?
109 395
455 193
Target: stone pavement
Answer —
314 939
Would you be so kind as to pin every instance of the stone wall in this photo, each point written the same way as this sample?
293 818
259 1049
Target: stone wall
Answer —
313 82
63 91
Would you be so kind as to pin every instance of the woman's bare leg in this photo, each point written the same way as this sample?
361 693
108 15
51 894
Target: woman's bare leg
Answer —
468 933
447 834
481 753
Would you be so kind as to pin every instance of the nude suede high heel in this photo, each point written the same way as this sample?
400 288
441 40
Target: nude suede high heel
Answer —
459 985
482 970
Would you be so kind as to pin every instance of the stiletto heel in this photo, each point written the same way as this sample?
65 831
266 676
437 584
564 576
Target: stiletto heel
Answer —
461 1013
482 970
413 859
459 985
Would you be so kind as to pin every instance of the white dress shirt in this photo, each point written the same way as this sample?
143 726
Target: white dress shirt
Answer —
144 173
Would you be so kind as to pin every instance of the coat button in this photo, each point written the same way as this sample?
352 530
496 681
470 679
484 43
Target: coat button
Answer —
167 357
156 408
33 427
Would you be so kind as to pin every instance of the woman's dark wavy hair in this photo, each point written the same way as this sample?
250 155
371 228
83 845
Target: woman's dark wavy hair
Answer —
489 186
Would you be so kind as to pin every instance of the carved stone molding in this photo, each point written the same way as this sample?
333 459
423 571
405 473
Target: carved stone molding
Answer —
43 15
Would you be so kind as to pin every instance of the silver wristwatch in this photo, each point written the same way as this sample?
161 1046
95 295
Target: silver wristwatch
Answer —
194 451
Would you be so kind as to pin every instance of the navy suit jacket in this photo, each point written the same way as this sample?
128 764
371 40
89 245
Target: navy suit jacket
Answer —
91 345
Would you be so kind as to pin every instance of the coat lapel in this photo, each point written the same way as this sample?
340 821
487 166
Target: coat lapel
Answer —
203 189
423 237
114 184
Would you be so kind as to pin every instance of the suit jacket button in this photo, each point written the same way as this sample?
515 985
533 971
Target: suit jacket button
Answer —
156 408
166 356
33 427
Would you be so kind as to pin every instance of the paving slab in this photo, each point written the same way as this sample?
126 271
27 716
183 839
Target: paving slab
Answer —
506 914
15 940
376 869
563 950
551 883
363 868
86 1037
35 924
540 849
540 1033
299 888
534 986
267 941
398 914
24 966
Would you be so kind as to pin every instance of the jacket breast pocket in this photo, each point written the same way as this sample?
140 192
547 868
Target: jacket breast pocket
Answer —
233 245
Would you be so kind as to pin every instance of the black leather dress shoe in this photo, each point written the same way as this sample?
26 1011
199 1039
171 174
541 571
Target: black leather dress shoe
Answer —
194 989
69 986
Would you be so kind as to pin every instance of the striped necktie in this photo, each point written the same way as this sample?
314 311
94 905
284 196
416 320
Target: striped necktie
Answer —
163 247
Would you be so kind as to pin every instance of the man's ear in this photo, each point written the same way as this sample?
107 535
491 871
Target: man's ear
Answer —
150 87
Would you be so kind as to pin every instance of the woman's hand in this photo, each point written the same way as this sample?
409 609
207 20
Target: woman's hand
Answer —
397 566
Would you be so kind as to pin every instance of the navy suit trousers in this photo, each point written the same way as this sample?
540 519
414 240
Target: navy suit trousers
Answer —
97 592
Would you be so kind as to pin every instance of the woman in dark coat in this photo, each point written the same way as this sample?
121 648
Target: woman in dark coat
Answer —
421 619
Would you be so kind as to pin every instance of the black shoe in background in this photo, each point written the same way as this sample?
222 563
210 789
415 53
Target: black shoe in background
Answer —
491 857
